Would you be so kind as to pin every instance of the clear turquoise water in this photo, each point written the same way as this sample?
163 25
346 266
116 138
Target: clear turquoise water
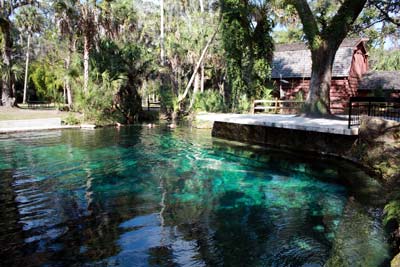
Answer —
160 197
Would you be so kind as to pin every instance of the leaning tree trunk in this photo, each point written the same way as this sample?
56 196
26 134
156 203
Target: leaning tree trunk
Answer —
6 93
196 87
318 99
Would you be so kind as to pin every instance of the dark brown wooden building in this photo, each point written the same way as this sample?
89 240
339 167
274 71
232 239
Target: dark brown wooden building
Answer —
380 83
291 71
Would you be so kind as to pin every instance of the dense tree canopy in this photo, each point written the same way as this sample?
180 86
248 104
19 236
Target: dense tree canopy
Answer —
104 57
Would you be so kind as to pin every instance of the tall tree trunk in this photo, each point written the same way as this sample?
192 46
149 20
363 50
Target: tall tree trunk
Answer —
162 52
196 86
69 93
86 52
26 68
67 66
202 63
202 78
6 93
323 43
318 99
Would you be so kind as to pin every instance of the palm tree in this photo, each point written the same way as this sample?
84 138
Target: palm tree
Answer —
80 18
29 20
88 26
7 9
162 52
67 18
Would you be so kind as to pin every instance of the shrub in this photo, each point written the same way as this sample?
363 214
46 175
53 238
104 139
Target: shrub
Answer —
210 101
244 104
392 211
71 119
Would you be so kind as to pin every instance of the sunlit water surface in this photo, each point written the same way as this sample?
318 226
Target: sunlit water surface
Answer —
159 197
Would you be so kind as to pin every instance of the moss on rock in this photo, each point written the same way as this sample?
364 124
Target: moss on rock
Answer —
378 148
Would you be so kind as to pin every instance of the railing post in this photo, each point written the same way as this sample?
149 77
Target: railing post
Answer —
350 110
369 108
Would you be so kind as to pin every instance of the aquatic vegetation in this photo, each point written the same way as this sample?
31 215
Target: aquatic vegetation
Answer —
161 197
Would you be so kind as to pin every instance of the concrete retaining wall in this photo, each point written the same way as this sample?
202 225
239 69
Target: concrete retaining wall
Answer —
300 140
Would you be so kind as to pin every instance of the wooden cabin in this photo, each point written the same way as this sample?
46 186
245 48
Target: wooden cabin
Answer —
291 71
380 83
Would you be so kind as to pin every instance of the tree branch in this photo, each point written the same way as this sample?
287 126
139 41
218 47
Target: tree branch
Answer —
385 13
310 26
342 22
182 97
18 4
361 27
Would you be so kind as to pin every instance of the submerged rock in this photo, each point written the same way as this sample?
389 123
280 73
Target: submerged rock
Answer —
359 239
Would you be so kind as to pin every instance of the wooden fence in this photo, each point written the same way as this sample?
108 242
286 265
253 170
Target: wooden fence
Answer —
153 105
40 105
277 106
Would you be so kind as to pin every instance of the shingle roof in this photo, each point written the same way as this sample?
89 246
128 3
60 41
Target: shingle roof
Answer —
294 60
386 80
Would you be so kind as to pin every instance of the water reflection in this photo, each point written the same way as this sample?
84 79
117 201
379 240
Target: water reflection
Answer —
162 197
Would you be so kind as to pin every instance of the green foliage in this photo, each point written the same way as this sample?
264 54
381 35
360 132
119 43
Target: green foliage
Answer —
169 101
288 35
29 19
392 211
383 60
99 104
71 119
47 81
299 96
244 104
118 69
210 101
248 50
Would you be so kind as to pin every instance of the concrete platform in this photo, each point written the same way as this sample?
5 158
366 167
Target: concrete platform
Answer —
49 122
32 125
294 122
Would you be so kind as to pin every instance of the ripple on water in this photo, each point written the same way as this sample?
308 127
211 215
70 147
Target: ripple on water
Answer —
156 197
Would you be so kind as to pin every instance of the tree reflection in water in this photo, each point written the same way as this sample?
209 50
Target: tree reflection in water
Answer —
161 197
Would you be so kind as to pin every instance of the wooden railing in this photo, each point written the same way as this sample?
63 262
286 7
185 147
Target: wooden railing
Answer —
277 106
155 104
39 104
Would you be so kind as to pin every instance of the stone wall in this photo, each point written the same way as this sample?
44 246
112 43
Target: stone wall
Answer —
299 140
377 147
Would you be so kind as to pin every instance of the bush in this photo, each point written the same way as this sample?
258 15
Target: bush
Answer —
244 104
210 101
392 211
71 119
169 102
99 103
